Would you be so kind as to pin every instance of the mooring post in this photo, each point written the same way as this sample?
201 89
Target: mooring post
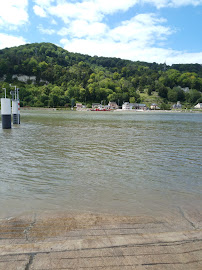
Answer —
15 111
18 105
15 105
6 112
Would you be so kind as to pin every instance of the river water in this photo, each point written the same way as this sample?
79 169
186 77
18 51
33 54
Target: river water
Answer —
106 162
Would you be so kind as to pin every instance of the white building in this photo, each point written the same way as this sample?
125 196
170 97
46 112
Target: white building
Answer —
127 106
134 106
198 106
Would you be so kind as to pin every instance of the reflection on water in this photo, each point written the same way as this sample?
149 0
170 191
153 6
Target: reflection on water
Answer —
131 163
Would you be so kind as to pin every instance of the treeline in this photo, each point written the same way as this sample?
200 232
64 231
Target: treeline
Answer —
63 78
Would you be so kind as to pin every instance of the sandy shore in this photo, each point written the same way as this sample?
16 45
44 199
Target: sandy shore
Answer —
99 241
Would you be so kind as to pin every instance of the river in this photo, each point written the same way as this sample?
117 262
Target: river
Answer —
145 163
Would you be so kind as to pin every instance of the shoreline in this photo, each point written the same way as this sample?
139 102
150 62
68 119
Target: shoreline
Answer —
118 110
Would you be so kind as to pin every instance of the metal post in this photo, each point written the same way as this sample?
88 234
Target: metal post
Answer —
18 100
6 112
5 91
15 105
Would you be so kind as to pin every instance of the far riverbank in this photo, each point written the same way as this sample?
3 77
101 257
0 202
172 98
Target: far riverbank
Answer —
118 110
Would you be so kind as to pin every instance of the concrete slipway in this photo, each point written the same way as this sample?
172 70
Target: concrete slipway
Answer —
92 241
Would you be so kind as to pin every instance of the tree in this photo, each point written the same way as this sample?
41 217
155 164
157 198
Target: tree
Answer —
135 81
161 89
116 76
32 66
132 100
164 106
151 88
42 66
188 79
112 97
180 93
171 78
143 80
172 95
193 96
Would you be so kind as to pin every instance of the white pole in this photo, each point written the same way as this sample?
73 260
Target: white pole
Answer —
5 91
6 112
15 90
17 93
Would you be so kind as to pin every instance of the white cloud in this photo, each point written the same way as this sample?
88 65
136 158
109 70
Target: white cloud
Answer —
130 51
172 3
39 11
157 3
43 3
79 11
105 47
81 28
135 39
10 41
144 28
13 13
95 10
110 7
139 38
54 22
185 57
46 31
89 10
179 3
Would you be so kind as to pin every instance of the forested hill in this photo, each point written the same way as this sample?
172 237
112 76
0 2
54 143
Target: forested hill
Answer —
55 77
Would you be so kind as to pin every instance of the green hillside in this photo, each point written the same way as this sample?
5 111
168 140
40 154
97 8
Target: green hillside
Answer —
54 77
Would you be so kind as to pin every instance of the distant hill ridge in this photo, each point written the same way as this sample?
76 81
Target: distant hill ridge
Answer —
90 79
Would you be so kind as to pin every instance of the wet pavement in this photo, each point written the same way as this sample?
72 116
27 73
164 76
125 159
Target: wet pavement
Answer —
97 241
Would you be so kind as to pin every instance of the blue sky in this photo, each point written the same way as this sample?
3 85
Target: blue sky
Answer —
144 30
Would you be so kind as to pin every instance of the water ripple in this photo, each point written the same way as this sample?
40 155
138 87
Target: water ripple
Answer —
109 162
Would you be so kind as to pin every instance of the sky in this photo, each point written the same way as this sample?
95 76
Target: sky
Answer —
139 30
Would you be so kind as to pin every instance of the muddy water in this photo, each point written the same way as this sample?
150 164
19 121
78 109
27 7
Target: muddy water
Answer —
108 162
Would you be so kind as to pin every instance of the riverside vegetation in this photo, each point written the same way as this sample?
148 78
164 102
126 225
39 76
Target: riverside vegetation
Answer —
59 78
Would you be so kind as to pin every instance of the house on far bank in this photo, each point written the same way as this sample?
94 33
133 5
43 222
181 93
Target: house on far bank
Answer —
177 106
80 106
139 106
96 105
127 106
154 106
198 106
113 105
135 106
